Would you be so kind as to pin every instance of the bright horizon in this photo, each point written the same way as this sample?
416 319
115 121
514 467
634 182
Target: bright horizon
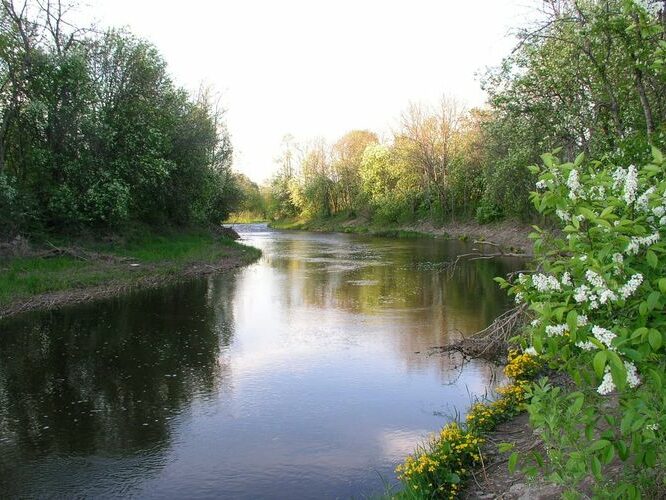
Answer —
320 69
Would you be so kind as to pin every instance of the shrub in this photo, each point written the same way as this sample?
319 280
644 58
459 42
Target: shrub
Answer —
598 298
488 212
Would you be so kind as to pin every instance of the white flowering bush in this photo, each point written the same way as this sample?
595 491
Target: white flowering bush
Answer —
598 299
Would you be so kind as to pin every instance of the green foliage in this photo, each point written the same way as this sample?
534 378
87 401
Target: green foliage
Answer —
487 212
598 300
93 133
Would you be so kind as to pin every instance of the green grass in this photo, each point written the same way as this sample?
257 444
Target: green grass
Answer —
336 224
156 254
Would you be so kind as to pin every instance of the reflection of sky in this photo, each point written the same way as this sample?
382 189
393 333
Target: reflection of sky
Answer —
320 384
326 398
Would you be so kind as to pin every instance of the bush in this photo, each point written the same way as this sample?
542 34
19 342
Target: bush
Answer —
488 212
598 301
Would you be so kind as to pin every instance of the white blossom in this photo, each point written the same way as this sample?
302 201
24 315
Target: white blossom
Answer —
545 283
581 294
541 184
597 193
531 351
556 330
607 295
573 183
519 298
594 279
631 185
632 374
563 215
581 320
566 279
652 427
628 289
604 336
619 175
586 346
607 385
534 323
638 241
659 211
618 258
642 201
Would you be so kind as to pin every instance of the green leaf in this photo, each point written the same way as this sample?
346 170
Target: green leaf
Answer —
655 340
577 405
662 285
599 445
596 467
572 321
652 258
606 212
589 214
657 155
513 461
547 159
656 378
599 363
653 300
504 447
579 160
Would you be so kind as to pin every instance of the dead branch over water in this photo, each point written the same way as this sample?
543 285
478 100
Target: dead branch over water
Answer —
492 342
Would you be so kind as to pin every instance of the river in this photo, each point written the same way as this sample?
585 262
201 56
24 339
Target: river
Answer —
304 375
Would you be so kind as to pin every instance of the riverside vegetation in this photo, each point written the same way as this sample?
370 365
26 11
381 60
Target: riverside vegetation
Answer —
586 76
97 144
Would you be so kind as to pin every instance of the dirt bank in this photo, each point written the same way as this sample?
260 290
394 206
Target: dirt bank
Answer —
510 235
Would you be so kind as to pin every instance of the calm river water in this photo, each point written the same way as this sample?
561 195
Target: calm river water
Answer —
304 375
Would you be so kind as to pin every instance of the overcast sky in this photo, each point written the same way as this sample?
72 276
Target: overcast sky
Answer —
318 68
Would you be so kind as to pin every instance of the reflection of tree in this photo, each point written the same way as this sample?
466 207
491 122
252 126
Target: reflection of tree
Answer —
387 279
106 378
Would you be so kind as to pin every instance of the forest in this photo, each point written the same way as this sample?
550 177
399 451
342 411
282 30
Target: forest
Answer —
95 135
585 77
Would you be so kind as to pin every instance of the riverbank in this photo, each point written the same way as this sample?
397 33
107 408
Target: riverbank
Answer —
62 272
510 235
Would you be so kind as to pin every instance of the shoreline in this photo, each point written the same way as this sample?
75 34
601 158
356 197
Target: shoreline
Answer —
75 275
508 235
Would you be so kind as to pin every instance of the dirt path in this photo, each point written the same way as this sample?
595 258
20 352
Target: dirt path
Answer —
494 481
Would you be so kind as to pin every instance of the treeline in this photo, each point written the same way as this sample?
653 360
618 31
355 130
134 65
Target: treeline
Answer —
95 134
588 76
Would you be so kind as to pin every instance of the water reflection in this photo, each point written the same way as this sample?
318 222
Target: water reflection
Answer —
108 379
302 376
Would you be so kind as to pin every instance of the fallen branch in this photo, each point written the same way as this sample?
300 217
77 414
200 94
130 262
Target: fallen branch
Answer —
493 341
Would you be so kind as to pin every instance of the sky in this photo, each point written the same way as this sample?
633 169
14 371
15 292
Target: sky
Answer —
319 68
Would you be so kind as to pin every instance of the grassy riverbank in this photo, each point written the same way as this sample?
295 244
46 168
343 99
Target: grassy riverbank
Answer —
509 234
57 272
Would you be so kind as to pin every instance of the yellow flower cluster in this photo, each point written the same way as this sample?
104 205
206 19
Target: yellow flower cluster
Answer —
437 470
485 416
521 366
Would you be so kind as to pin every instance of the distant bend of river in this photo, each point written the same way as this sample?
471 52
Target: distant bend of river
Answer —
304 375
